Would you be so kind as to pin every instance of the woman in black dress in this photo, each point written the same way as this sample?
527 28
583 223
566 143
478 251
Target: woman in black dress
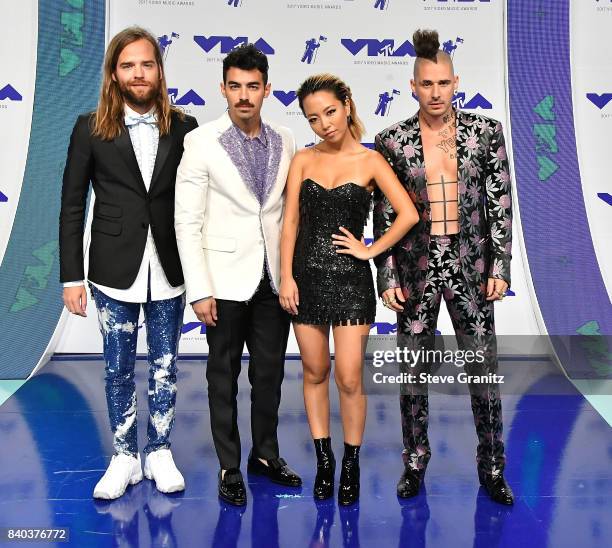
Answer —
325 271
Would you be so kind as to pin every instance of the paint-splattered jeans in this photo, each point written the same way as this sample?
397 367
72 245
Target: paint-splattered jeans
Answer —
119 328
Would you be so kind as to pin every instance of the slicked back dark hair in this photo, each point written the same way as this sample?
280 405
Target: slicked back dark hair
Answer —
333 84
246 57
426 44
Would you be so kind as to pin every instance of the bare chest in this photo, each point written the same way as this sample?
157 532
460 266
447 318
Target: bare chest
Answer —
440 154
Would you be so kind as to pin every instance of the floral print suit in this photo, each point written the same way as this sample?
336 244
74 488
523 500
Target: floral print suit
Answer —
427 271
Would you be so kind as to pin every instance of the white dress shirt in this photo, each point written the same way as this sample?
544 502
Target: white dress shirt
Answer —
145 138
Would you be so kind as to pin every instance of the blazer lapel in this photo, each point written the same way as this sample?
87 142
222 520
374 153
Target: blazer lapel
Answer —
231 143
163 148
463 160
126 151
275 151
415 159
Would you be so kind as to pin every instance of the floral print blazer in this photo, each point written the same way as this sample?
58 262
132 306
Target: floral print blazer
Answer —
485 205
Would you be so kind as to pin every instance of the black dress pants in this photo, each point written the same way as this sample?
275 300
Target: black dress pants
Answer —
263 325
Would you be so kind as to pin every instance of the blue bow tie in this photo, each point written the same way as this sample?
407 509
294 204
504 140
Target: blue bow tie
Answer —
135 119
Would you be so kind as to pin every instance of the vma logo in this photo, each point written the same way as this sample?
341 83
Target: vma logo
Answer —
72 36
285 97
189 98
235 3
191 326
387 47
384 102
310 52
600 101
375 48
602 195
545 133
228 43
478 101
10 93
384 328
450 46
165 42
382 5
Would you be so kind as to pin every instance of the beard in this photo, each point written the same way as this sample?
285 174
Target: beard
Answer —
145 97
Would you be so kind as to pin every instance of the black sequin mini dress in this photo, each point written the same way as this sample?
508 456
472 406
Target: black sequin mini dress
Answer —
334 288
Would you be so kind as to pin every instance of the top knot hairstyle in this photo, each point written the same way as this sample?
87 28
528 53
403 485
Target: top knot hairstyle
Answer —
426 44
333 84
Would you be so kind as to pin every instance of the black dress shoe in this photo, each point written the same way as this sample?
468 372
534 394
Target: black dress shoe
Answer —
326 468
497 488
276 470
348 492
409 484
231 487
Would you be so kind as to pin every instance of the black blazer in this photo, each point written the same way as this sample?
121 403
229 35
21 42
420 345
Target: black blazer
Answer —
123 209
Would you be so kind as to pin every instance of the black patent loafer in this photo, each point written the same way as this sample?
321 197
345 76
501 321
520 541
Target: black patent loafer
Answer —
276 470
231 487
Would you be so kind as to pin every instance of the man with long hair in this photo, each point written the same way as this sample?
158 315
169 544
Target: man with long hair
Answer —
229 208
129 149
454 166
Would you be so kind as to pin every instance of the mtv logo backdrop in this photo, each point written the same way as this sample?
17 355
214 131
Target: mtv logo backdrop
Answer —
375 56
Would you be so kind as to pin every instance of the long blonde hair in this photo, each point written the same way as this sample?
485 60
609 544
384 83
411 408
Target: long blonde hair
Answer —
108 117
329 82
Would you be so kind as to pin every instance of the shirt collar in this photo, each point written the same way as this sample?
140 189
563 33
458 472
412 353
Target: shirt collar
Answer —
262 137
131 112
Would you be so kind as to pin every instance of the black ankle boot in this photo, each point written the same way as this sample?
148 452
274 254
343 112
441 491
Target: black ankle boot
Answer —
497 488
326 467
348 492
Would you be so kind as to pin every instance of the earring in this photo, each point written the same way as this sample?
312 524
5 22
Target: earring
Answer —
317 140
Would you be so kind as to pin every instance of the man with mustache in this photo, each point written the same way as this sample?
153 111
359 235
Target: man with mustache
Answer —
454 166
228 218
129 149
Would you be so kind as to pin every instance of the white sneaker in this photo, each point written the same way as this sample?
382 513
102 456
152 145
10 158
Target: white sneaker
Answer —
122 471
160 467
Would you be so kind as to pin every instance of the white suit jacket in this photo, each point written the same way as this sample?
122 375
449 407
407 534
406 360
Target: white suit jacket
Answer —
222 231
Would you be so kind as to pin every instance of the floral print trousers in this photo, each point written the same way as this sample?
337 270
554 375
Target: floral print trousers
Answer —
119 327
472 318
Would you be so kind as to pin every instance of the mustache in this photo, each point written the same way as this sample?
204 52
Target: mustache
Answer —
243 104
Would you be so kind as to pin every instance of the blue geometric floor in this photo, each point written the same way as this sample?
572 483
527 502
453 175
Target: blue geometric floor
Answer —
56 444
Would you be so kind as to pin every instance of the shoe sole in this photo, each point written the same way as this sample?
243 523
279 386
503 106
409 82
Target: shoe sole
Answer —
173 489
133 481
407 496
502 502
232 502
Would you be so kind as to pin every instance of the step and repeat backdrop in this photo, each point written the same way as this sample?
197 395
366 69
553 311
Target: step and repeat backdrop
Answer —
514 63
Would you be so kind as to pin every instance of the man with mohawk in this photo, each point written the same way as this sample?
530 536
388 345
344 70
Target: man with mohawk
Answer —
454 166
